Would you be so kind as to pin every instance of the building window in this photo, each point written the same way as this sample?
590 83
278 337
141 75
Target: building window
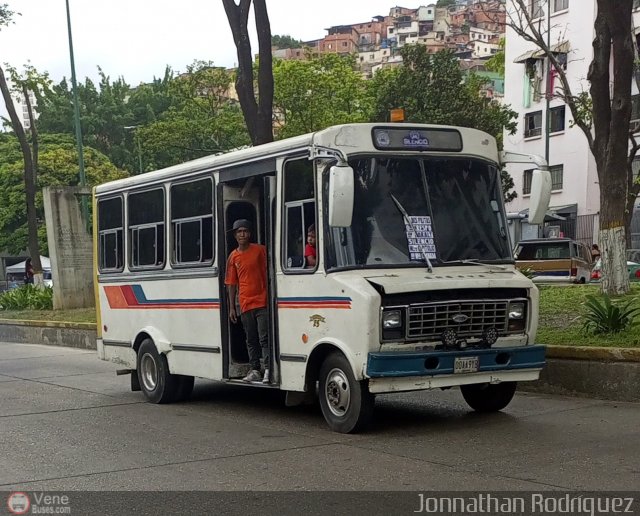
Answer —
536 8
556 177
560 5
533 124
556 122
146 229
110 233
526 181
635 107
192 222
557 172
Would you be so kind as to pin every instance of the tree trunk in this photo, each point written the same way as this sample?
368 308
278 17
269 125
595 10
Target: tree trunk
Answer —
611 115
257 116
29 174
30 190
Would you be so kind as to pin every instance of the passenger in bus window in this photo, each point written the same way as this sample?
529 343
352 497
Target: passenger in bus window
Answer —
310 248
247 275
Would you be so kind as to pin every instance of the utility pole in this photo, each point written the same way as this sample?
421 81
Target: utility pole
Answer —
76 105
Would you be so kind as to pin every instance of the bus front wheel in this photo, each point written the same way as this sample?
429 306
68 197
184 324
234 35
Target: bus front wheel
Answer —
157 384
347 405
485 397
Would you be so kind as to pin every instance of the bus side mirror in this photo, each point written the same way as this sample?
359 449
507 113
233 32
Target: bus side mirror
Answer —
341 188
540 196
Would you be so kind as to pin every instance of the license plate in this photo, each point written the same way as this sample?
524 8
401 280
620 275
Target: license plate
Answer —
466 364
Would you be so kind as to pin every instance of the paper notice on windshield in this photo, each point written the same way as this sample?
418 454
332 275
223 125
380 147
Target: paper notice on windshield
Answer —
420 238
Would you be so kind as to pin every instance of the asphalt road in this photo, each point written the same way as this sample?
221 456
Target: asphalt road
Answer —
69 423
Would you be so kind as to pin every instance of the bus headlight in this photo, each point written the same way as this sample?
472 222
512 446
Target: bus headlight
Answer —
392 324
517 316
391 319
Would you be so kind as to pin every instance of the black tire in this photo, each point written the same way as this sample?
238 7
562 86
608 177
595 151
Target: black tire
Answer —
185 387
157 384
485 397
347 405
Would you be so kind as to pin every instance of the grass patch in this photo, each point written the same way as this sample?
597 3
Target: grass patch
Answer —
561 318
81 315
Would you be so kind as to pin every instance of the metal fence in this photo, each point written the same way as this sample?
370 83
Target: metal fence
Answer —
581 228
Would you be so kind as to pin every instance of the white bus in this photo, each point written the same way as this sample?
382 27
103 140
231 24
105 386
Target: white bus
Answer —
414 287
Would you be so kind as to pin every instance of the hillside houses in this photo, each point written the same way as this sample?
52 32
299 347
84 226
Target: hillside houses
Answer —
470 29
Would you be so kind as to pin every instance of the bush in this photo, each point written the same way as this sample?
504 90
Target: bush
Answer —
603 316
28 297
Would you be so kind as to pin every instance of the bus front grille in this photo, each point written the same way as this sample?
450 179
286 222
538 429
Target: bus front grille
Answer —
466 319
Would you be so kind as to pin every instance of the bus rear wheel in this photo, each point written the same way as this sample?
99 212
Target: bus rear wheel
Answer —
157 384
347 405
486 397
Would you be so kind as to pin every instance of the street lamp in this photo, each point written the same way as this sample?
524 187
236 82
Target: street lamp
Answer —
76 105
133 128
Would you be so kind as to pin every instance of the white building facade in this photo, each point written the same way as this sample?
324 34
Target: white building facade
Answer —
574 176
575 180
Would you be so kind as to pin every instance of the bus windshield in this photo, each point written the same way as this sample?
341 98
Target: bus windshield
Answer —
408 209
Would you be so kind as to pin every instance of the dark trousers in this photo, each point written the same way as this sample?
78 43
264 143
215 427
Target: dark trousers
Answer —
256 328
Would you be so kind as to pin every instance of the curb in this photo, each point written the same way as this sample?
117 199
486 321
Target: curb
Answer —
50 333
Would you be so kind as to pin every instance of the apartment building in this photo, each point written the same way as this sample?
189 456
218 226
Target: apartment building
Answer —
23 111
575 191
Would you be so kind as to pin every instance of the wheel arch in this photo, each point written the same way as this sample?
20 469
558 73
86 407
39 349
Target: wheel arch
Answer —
163 345
317 356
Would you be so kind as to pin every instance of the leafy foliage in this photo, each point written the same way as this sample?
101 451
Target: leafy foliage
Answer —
285 42
168 121
58 165
201 119
496 63
27 297
431 89
603 316
319 92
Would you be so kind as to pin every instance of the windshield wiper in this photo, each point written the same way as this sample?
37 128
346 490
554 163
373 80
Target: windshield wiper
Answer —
406 217
475 261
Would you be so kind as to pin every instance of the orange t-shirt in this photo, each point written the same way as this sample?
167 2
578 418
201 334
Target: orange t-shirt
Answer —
248 270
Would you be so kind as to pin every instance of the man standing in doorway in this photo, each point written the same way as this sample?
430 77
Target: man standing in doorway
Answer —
247 273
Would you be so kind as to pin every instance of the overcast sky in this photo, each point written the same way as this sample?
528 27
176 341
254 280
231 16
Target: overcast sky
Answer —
136 39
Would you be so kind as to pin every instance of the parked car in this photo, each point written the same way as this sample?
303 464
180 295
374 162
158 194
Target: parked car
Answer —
554 260
632 267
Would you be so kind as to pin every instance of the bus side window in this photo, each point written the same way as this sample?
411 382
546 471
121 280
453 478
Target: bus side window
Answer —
299 213
146 229
110 235
192 222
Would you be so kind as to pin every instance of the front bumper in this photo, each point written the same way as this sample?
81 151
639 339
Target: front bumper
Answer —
392 371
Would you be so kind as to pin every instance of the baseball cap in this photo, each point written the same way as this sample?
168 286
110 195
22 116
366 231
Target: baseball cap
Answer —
241 223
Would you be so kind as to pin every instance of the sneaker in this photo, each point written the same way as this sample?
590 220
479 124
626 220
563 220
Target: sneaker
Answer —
266 378
253 376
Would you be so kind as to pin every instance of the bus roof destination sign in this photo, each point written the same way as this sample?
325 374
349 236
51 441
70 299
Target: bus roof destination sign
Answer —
402 138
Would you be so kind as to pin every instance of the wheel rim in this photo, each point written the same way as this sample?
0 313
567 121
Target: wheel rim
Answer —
149 372
337 392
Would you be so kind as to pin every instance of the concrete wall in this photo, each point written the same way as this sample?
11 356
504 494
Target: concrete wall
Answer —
70 248
73 335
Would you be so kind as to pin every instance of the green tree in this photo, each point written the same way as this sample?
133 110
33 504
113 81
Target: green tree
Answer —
430 88
445 3
23 85
496 62
285 42
58 165
319 92
200 120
